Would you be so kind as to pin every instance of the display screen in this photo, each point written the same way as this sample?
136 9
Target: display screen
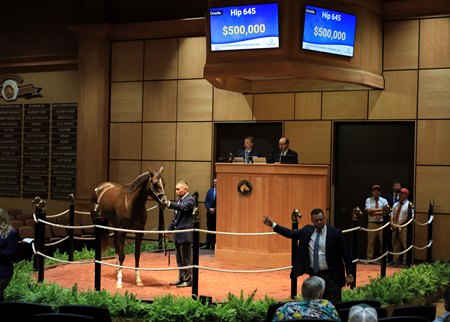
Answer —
329 31
244 27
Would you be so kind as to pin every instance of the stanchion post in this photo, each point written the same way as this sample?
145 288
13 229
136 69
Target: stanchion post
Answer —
384 247
430 231
354 248
296 217
195 253
71 223
409 236
41 213
37 232
98 248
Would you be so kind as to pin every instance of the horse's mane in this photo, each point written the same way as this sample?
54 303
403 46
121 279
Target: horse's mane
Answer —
138 181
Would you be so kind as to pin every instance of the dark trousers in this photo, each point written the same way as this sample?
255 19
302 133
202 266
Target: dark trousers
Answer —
4 281
333 292
184 258
211 225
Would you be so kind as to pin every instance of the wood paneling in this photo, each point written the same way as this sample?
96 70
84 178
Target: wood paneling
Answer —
308 106
401 44
420 236
432 184
125 141
197 175
434 93
161 59
160 101
126 102
192 57
194 141
232 106
344 105
433 137
441 227
274 106
124 171
399 98
434 43
194 100
127 60
159 141
312 140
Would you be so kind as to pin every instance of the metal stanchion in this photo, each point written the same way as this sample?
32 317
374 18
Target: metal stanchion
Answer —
430 231
296 217
98 248
71 223
40 246
356 213
195 253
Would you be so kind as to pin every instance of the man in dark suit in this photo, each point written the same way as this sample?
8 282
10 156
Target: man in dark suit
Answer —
248 150
182 219
210 204
322 252
284 150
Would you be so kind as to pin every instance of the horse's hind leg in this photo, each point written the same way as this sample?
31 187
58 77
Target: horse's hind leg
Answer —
119 245
137 256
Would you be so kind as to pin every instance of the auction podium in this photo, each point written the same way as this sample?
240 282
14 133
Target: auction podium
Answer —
247 192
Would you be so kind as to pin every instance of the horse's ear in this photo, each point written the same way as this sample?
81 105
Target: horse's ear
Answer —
161 170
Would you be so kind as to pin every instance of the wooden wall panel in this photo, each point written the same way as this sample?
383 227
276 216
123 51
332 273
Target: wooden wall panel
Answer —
433 137
344 105
124 171
441 227
434 93
434 43
420 236
371 50
161 59
160 101
312 140
399 98
192 57
159 141
125 141
194 100
432 184
127 60
401 44
194 141
197 175
274 106
232 106
308 106
168 174
126 102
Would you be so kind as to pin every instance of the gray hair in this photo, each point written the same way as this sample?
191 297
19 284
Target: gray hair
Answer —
313 288
362 313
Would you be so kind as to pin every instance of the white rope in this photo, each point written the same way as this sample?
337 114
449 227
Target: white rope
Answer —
351 229
82 212
83 238
376 229
243 271
230 233
426 246
145 268
151 208
425 223
58 215
59 241
404 225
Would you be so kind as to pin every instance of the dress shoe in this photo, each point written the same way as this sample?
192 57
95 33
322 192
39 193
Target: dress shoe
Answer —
176 283
185 284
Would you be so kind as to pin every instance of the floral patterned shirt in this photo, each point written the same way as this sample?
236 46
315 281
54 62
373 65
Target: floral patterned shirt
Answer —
320 308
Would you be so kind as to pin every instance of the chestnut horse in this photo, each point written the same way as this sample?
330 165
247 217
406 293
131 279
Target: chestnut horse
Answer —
123 206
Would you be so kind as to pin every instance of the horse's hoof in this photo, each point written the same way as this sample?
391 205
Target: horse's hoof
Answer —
118 285
140 284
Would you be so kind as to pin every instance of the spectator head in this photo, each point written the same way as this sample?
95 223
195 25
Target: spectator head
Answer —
362 313
313 288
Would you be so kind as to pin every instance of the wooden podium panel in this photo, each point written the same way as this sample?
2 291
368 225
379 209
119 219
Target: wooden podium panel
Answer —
276 190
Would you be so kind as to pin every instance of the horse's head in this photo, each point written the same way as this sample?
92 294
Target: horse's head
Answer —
155 186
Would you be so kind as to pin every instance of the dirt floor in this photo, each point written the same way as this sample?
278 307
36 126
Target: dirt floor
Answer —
211 283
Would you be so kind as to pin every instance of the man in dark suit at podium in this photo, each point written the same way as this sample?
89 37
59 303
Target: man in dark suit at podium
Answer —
284 155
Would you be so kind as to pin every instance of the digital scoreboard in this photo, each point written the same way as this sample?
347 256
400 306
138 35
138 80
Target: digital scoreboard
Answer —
244 27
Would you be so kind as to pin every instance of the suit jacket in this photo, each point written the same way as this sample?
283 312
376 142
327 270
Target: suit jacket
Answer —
253 153
210 199
276 157
182 218
336 252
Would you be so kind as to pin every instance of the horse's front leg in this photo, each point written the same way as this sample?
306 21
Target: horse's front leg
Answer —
119 245
137 256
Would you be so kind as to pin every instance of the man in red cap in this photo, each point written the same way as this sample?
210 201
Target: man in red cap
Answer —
374 208
400 214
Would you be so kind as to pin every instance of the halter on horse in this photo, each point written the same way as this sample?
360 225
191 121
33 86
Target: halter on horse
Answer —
123 206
